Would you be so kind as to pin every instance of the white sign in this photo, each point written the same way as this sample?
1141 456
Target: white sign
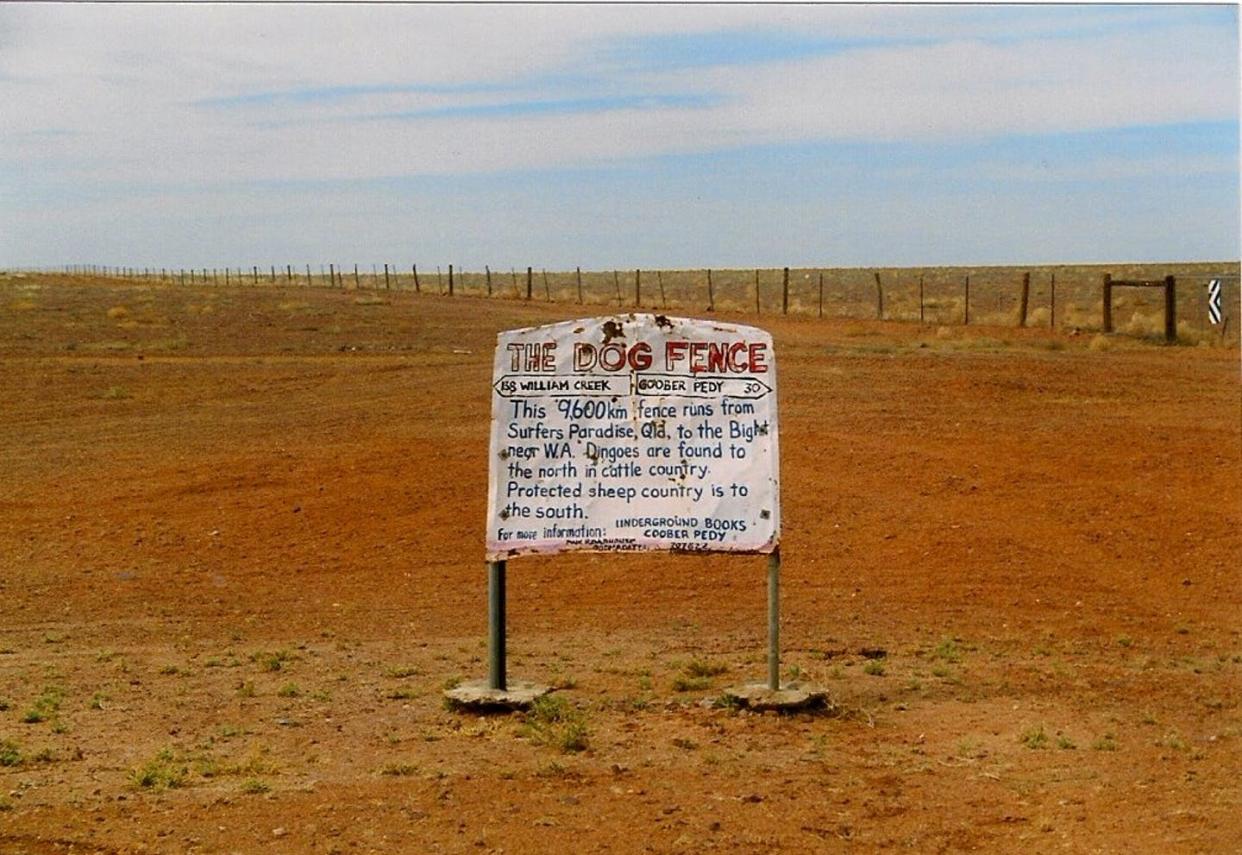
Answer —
633 432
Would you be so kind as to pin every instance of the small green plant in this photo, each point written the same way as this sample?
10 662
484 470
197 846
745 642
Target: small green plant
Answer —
554 721
701 668
399 770
682 683
254 787
245 689
97 700
402 693
401 672
161 772
230 731
948 650
726 702
46 706
1035 738
4 705
115 393
874 667
451 683
1125 641
10 754
272 661
1065 743
289 690
1107 742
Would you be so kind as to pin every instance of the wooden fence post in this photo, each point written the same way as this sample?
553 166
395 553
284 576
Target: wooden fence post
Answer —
450 280
418 288
255 271
530 282
273 274
578 273
356 283
547 291
487 271
226 277
879 297
785 293
1170 309
660 280
1026 298
516 293
821 293
757 309
711 296
1052 304
386 285
638 288
309 281
616 282
920 298
966 305
1107 297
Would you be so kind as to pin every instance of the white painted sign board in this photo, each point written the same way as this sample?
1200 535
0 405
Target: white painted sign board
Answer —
633 432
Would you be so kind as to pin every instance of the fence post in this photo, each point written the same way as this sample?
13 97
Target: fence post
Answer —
879 297
1107 298
386 285
578 274
616 282
1052 307
547 291
516 292
638 288
785 293
273 274
226 277
332 274
530 281
966 306
1170 309
757 310
821 293
1026 297
308 275
711 295
450 280
660 280
418 289
920 298
357 284
487 271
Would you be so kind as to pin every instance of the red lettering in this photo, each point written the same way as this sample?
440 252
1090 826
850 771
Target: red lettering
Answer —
758 358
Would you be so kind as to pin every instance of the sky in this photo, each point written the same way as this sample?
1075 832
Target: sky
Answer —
666 136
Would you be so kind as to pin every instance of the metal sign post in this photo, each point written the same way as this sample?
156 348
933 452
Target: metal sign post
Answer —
632 433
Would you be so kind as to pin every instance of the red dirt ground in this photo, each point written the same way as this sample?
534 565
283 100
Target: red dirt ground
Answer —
241 557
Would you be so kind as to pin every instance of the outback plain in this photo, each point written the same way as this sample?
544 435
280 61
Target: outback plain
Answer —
241 558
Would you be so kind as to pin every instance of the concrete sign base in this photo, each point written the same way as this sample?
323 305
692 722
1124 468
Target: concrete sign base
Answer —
789 698
475 695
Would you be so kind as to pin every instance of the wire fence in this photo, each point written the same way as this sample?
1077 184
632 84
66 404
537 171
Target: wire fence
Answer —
1055 297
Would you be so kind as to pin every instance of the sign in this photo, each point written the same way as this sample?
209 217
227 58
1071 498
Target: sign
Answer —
1214 313
633 432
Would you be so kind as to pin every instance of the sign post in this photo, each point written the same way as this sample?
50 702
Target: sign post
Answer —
630 433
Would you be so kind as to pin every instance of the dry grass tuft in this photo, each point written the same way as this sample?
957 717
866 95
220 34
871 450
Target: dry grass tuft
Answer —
117 312
1101 343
